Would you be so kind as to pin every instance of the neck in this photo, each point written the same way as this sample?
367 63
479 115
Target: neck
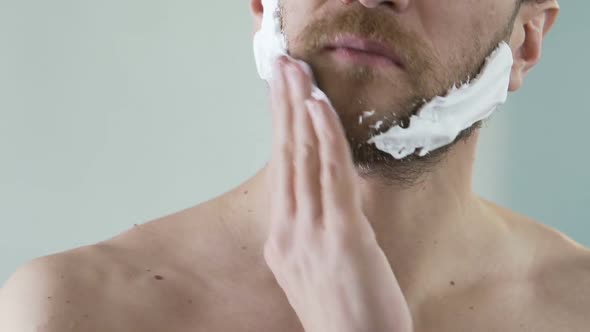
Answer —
422 229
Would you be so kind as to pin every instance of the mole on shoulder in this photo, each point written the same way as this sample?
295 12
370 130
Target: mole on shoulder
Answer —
158 277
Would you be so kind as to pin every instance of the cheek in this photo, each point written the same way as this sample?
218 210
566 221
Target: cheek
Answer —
452 30
297 14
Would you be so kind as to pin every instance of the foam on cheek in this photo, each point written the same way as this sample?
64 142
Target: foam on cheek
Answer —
437 124
270 44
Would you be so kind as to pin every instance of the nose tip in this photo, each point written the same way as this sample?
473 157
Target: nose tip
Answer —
399 5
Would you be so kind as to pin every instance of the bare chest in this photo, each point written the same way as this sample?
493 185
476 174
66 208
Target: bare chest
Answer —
513 307
247 311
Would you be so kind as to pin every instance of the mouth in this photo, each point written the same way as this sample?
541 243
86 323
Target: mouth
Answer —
358 50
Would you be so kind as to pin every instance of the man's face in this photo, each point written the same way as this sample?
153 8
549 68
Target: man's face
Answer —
438 43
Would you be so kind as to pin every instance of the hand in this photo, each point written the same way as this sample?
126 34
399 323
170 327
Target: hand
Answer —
321 248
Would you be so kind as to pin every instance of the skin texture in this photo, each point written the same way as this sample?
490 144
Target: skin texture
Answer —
251 260
321 248
437 45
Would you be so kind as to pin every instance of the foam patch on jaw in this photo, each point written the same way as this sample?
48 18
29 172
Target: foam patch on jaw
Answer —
437 123
440 121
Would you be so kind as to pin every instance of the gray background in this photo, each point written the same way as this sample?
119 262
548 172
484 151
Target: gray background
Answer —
118 112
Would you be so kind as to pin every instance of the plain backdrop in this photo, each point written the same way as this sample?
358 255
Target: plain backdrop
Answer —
118 112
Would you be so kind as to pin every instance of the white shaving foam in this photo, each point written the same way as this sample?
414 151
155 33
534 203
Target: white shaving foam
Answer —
270 43
437 123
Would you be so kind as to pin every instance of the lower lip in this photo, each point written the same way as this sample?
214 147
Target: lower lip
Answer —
350 55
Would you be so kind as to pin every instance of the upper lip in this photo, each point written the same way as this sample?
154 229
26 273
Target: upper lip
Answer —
365 45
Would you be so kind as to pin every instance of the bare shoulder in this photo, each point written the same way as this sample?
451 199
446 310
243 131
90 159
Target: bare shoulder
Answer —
565 283
561 268
548 243
103 287
145 279
53 293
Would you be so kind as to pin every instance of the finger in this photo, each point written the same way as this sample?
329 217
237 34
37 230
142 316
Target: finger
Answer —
307 163
337 175
282 204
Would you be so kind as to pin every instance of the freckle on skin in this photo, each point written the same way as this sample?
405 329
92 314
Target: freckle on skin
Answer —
471 308
452 283
158 277
244 247
246 192
190 301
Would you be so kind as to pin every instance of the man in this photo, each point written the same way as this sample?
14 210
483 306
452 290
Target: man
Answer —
327 238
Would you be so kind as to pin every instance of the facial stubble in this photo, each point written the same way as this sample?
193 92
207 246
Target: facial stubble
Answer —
427 77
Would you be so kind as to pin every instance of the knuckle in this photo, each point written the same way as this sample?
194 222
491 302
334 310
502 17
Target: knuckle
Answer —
333 139
332 170
343 215
277 246
349 239
285 151
344 233
344 229
306 152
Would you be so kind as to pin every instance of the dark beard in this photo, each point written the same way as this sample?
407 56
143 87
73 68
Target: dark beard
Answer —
426 81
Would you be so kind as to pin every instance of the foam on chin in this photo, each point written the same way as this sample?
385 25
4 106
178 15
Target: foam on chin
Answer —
437 123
